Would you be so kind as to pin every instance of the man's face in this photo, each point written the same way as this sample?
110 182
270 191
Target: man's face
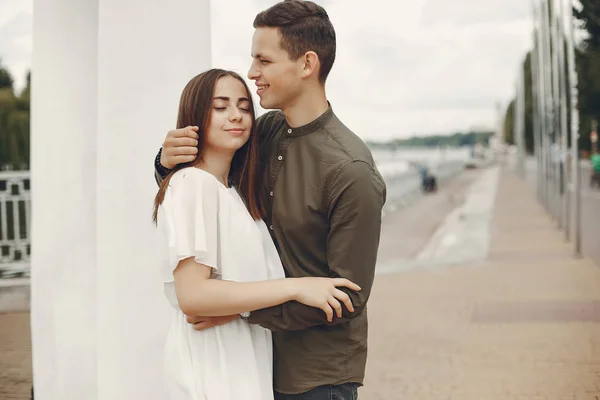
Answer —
278 79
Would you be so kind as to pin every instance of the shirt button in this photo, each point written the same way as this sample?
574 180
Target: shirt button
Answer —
289 131
271 193
280 158
271 227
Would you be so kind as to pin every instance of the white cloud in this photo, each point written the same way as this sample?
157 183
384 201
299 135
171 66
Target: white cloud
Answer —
415 66
475 12
425 66
16 38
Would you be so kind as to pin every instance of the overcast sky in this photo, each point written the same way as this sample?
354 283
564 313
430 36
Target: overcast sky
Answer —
402 67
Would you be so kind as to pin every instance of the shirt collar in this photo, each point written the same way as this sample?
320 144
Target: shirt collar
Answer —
311 127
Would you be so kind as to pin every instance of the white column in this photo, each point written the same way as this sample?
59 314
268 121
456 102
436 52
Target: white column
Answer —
106 78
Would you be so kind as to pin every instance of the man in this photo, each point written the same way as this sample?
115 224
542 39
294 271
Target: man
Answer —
324 201
595 173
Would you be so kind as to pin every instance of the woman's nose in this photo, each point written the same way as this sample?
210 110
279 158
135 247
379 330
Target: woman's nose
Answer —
235 115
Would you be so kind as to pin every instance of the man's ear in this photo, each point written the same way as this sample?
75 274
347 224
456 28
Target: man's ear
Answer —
311 64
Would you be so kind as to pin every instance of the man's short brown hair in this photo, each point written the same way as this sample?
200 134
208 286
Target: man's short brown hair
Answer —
303 26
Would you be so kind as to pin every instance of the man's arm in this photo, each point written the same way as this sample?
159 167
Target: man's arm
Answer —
356 197
181 145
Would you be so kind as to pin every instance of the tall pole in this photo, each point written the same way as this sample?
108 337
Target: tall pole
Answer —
556 113
539 102
515 123
572 75
521 121
535 108
566 203
543 102
549 106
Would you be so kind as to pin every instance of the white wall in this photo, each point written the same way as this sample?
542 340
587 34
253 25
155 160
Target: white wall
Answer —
107 76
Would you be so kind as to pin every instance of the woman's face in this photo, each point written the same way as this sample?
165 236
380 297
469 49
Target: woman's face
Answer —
230 117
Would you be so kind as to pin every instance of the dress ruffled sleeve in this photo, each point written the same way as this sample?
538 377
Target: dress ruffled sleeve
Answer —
191 210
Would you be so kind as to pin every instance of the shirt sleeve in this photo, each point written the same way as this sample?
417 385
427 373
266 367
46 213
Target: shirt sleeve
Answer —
190 218
267 126
356 198
158 176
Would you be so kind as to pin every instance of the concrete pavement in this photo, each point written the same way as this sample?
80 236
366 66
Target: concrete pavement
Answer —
523 324
15 357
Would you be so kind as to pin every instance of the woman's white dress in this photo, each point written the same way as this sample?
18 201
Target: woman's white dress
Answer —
204 219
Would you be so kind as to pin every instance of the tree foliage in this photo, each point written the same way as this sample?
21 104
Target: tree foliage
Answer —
14 123
588 69
588 77
458 139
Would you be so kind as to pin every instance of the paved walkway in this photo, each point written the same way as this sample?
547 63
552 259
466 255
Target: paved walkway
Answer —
407 230
15 357
525 324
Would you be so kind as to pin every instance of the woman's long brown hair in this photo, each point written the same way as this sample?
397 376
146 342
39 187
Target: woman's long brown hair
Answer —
195 109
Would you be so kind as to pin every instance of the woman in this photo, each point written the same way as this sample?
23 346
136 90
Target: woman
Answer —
222 259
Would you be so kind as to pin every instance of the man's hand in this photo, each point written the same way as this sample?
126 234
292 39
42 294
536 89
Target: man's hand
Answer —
201 323
180 146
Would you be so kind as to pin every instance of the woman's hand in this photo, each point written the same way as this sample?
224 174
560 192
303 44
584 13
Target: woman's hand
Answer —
323 293
202 323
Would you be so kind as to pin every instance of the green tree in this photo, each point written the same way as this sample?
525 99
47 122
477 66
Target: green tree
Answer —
6 80
509 116
14 123
529 134
589 17
588 68
509 134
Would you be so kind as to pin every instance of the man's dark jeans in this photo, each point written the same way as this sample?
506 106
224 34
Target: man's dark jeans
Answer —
347 391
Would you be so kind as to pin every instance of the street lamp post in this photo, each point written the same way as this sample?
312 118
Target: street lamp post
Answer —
575 173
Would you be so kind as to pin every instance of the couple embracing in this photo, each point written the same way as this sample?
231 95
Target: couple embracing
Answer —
272 226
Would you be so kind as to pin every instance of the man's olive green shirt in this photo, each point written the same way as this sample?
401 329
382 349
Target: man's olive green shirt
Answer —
324 199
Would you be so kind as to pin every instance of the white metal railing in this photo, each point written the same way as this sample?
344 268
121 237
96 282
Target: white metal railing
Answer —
15 223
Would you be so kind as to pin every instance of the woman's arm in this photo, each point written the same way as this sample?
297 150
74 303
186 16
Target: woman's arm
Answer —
198 294
193 209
